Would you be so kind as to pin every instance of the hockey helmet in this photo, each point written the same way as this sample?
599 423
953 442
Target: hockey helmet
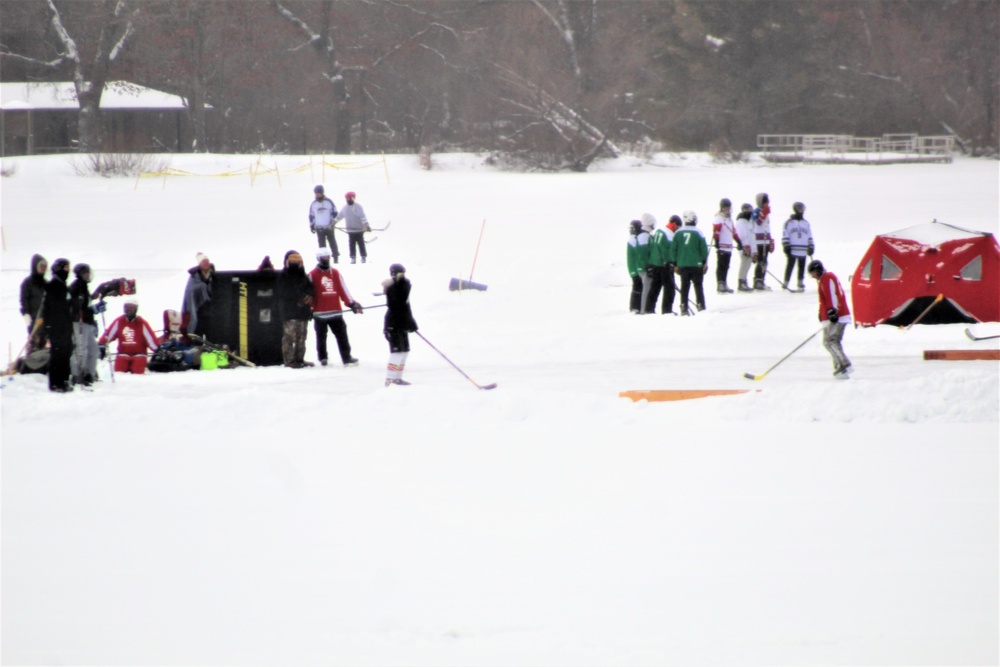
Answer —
815 266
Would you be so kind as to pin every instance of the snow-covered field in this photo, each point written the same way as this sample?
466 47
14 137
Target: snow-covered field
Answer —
314 517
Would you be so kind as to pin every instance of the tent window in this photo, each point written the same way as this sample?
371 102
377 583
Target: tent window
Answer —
866 273
973 270
889 270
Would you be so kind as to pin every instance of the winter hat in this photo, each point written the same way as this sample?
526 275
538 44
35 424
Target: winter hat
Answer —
60 267
350 195
81 269
323 253
319 189
292 256
648 221
200 257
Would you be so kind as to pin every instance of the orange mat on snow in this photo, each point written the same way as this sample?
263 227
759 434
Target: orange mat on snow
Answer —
676 394
962 355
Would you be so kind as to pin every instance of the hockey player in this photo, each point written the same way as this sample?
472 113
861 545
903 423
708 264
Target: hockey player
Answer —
295 296
835 315
356 224
763 241
330 294
744 240
637 260
135 340
32 294
689 252
83 363
57 319
398 323
723 232
797 242
321 214
661 274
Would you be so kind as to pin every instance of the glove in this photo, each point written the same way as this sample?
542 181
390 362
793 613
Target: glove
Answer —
739 246
356 308
99 307
102 351
312 228
367 227
771 246
704 268
787 249
810 249
28 320
831 315
746 250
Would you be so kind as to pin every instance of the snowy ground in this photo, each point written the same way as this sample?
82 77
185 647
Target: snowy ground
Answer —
314 517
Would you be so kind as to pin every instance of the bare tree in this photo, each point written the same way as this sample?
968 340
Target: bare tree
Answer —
90 67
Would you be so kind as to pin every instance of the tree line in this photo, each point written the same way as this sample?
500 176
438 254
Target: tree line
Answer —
557 83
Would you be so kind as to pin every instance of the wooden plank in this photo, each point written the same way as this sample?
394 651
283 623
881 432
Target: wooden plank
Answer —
961 355
676 394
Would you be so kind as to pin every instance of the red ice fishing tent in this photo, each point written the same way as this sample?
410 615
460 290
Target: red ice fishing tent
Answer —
903 272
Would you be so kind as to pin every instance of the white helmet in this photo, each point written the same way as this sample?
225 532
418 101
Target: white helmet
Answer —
690 218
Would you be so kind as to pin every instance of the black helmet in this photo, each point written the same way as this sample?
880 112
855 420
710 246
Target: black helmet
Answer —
676 219
725 203
319 189
635 226
746 208
396 269
81 269
60 265
815 266
799 207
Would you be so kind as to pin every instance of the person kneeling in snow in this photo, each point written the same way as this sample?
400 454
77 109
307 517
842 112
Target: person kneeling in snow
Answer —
398 324
135 338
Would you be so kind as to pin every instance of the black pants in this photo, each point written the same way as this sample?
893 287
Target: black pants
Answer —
663 277
722 259
61 352
339 328
399 341
792 261
760 270
356 239
692 275
635 297
324 235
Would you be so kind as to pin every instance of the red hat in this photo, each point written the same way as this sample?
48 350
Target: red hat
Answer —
350 195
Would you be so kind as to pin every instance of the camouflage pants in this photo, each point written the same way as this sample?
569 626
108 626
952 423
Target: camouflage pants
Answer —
293 342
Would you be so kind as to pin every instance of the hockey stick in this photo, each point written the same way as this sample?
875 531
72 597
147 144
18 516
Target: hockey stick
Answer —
751 376
368 240
327 314
111 366
783 285
478 386
926 310
972 336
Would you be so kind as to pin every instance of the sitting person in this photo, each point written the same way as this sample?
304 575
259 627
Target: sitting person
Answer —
135 338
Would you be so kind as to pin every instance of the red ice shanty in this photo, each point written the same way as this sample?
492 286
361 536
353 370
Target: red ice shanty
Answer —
903 272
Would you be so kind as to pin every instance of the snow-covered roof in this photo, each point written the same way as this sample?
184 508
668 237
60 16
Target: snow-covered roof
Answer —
933 233
62 95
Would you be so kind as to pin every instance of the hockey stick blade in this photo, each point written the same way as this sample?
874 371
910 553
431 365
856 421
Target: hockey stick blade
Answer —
488 386
972 336
751 376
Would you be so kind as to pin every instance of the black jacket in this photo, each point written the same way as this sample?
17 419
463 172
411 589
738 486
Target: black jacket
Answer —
399 317
293 288
56 312
33 289
80 302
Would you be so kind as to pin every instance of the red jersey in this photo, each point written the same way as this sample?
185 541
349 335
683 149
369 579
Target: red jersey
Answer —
134 337
831 295
329 290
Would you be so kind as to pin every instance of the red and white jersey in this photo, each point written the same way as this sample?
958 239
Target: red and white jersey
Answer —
723 231
831 295
134 337
329 290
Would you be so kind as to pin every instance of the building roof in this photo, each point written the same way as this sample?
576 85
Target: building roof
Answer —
61 95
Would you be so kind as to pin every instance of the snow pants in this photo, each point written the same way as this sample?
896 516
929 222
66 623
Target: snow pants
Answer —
663 277
722 260
692 275
356 241
325 235
293 342
337 325
83 363
61 351
793 260
746 261
833 334
130 363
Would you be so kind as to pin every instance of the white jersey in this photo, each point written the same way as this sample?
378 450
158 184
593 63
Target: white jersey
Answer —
744 232
322 212
796 235
354 217
723 231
